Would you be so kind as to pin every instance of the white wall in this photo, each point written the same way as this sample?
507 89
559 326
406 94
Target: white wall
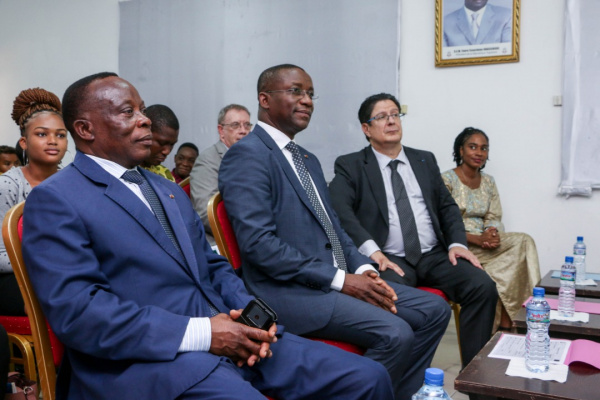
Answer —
50 44
512 103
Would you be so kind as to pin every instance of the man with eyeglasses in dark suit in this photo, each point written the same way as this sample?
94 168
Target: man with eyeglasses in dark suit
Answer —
394 205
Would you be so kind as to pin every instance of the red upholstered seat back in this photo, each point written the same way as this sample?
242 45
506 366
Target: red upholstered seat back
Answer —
229 235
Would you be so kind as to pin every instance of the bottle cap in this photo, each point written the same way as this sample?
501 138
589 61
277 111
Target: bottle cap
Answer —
434 376
569 259
580 238
539 292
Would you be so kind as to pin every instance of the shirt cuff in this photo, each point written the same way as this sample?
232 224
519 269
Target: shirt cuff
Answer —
338 280
197 336
365 267
368 247
458 245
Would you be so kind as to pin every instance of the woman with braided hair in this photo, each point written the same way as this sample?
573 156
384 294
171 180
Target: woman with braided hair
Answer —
44 139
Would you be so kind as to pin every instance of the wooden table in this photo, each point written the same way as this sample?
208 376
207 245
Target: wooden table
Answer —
566 329
553 284
486 376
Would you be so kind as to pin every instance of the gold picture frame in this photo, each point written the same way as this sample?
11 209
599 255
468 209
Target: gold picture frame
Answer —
497 29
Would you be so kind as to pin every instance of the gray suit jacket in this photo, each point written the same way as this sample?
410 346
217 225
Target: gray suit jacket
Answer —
358 196
204 180
496 27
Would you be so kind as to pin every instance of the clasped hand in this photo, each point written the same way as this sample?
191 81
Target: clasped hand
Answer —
369 287
239 342
490 239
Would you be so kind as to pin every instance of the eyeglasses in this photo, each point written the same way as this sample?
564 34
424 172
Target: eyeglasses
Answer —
385 117
297 93
237 125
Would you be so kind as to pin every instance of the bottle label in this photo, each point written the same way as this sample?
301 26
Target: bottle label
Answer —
579 252
538 316
567 275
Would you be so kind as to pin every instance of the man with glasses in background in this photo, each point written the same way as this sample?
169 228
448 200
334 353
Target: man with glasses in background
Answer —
394 205
297 257
233 124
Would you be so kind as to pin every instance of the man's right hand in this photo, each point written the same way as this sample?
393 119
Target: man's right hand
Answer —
371 288
241 343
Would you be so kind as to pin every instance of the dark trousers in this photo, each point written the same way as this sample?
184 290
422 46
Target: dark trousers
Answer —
404 342
4 359
464 284
11 301
299 369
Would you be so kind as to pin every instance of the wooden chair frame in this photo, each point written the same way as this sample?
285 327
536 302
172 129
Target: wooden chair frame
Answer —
39 329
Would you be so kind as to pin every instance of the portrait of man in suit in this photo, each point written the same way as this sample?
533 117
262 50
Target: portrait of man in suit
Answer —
477 22
128 282
394 205
295 253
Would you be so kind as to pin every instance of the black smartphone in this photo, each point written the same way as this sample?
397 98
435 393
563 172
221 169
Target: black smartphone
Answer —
258 314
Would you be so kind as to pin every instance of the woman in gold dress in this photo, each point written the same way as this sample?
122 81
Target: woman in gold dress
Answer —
509 258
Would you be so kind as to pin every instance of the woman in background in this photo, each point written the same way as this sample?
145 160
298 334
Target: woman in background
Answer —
8 158
510 259
44 139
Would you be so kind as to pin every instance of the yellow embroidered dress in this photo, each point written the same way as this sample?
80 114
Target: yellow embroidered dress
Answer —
513 265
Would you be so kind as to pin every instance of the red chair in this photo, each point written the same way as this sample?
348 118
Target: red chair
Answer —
228 247
48 350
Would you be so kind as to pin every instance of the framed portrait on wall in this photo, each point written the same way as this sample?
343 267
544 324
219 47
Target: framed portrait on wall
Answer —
472 32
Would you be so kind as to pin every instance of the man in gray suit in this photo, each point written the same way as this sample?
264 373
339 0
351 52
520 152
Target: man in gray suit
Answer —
233 124
478 23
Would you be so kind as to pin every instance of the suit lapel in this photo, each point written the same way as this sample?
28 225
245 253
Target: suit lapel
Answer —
373 173
126 199
167 198
287 169
421 171
464 25
486 24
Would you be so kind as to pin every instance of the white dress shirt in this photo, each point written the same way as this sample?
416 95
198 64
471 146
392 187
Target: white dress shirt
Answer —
197 335
281 139
395 242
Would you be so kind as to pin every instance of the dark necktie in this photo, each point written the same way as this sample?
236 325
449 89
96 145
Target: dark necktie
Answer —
410 235
134 176
314 201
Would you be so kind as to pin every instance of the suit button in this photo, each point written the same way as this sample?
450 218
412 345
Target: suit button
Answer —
328 246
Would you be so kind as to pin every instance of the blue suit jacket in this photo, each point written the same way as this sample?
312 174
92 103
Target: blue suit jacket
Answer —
287 258
113 287
495 27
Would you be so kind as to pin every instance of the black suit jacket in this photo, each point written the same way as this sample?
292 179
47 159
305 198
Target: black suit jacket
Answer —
358 196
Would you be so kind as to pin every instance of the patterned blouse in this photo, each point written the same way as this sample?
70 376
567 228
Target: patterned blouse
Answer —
162 171
480 208
14 188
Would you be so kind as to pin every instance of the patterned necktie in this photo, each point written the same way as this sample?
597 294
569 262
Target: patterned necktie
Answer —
134 176
474 24
314 201
410 235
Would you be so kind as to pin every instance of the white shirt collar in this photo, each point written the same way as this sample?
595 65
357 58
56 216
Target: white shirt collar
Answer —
111 167
280 138
384 160
471 12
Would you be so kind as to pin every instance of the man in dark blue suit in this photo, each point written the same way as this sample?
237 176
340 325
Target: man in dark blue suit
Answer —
120 263
295 253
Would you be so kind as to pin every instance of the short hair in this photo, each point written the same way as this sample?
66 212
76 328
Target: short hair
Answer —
460 141
269 75
162 116
228 108
8 150
366 108
190 145
32 101
74 99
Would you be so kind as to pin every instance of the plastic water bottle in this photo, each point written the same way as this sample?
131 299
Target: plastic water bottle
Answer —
566 294
537 341
433 388
579 259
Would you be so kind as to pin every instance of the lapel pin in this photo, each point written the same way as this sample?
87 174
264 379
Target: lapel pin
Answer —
171 196
306 156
